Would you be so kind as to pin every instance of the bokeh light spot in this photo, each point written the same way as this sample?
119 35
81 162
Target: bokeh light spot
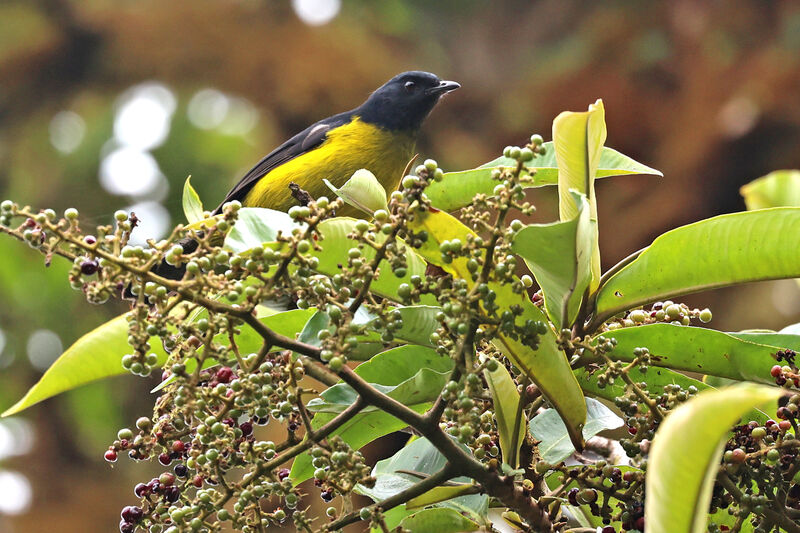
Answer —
316 12
129 171
143 116
154 222
44 347
15 492
67 130
207 108
16 437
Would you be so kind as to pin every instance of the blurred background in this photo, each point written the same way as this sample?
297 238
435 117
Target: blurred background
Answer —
110 104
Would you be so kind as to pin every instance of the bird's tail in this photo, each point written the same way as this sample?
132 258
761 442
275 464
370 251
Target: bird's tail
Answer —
165 270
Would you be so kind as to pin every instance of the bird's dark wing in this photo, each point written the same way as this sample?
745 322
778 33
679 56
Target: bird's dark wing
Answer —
306 140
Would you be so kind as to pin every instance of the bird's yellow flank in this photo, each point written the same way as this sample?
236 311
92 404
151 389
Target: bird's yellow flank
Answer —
346 149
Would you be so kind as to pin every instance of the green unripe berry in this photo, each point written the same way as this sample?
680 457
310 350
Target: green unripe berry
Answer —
365 513
526 154
536 139
336 364
673 311
409 181
121 216
71 213
705 315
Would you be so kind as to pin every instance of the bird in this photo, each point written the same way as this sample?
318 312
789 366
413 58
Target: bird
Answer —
379 135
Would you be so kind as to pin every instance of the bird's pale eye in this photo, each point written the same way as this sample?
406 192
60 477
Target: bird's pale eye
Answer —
410 86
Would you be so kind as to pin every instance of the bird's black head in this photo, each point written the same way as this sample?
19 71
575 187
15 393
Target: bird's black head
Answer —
403 102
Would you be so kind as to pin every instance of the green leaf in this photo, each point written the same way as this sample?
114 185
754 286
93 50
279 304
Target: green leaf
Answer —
440 494
335 244
98 355
413 374
192 205
692 349
363 191
555 445
780 339
256 226
717 252
458 188
438 520
420 456
547 366
656 379
559 256
383 370
505 400
366 348
777 189
686 452
578 140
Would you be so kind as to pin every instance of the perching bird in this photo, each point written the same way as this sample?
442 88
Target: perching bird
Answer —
379 135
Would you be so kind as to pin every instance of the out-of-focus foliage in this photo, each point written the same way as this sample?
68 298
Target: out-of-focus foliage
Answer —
658 67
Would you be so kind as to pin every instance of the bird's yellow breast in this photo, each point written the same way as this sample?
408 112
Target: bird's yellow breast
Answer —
346 149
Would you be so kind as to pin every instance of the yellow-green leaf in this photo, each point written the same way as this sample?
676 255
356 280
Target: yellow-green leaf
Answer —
717 252
505 400
777 189
686 452
578 139
363 191
547 366
458 188
192 205
559 256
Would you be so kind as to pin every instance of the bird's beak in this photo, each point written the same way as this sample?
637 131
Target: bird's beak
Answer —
443 87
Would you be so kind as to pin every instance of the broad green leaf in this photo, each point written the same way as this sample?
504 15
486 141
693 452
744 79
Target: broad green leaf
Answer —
692 349
782 339
97 355
192 206
366 348
422 457
555 445
547 366
717 252
382 372
440 494
259 226
505 400
686 452
335 245
363 191
458 188
399 371
256 226
438 520
656 379
578 140
777 189
559 256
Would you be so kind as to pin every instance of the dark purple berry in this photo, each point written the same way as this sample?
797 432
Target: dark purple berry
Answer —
283 473
181 470
141 490
164 459
326 495
572 496
131 514
171 494
224 374
89 267
247 428
125 527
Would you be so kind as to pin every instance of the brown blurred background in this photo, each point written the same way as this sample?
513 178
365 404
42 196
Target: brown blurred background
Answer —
109 104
